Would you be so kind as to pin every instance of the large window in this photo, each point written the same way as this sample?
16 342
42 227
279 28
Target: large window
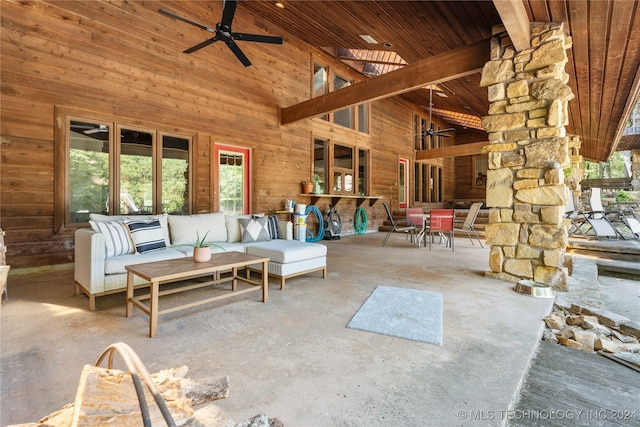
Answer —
324 81
428 182
339 167
114 168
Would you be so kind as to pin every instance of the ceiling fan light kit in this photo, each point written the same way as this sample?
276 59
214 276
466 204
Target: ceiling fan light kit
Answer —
224 33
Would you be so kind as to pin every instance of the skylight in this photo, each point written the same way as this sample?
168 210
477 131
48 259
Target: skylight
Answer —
370 62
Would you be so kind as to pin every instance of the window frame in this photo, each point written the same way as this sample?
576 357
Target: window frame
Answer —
62 172
428 183
479 164
360 113
330 168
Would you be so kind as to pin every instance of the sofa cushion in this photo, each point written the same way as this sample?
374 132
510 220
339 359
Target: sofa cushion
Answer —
184 229
218 248
233 227
146 235
285 251
254 229
117 264
116 235
163 218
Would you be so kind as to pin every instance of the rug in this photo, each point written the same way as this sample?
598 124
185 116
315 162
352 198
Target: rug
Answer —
404 313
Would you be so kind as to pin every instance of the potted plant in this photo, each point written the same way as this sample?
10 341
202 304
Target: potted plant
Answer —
201 251
307 187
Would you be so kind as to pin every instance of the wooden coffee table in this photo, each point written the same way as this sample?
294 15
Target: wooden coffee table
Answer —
185 268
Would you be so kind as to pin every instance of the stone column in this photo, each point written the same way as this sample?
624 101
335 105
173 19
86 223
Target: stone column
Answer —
528 151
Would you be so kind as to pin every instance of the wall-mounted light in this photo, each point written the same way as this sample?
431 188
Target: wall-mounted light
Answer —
279 5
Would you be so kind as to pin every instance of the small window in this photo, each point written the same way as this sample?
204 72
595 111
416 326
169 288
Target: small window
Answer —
343 170
320 82
320 157
342 117
480 166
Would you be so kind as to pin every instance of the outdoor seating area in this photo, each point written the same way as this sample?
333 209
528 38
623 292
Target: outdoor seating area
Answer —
436 223
616 221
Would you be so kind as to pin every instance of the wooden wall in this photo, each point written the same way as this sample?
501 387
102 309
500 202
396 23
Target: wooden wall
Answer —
124 60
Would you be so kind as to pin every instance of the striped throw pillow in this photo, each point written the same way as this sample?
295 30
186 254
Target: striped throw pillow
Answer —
146 235
116 237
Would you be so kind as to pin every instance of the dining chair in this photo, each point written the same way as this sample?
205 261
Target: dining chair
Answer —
468 223
415 217
441 223
401 225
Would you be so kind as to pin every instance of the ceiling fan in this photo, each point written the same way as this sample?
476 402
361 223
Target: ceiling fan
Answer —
430 131
223 32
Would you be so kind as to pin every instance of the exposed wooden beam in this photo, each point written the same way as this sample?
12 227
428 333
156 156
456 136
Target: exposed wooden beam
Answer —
446 66
516 21
452 151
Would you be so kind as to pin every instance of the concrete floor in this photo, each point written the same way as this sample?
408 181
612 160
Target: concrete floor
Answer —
294 358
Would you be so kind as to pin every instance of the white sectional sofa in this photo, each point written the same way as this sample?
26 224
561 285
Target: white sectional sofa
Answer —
113 242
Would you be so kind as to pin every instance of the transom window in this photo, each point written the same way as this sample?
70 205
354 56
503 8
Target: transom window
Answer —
114 168
324 81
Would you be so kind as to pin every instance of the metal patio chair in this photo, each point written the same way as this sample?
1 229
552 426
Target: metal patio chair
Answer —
601 226
441 223
398 226
468 223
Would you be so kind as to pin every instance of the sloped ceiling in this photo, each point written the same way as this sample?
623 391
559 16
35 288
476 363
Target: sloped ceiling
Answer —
603 62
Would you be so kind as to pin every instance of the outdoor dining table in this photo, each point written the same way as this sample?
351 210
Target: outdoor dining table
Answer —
425 221
426 218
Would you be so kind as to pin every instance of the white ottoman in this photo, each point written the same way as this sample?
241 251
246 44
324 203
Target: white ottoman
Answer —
289 258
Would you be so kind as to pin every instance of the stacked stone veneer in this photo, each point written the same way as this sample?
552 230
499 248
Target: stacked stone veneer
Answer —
528 150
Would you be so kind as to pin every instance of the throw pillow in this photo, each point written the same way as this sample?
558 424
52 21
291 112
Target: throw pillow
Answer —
254 230
116 237
274 230
147 235
233 227
160 217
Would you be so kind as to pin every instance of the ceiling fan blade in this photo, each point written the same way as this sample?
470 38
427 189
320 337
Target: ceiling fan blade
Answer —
447 130
442 134
201 45
188 21
236 50
256 38
229 9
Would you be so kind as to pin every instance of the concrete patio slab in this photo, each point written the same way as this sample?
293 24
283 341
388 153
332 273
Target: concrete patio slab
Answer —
294 358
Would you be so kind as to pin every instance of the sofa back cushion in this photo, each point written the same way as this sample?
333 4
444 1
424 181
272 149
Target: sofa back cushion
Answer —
184 229
116 235
160 217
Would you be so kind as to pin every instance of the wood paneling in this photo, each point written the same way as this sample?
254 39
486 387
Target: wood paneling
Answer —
123 62
603 62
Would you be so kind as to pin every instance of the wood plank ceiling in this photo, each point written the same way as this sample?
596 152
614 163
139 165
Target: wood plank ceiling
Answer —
603 63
